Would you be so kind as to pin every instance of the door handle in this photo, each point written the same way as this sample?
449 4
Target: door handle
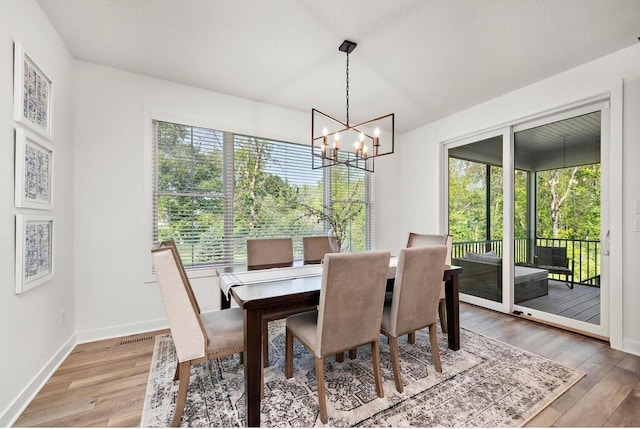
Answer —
606 248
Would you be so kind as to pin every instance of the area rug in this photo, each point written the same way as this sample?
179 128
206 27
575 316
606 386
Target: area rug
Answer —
486 383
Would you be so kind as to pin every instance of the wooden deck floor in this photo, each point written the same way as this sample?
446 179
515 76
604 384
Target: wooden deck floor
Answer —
580 303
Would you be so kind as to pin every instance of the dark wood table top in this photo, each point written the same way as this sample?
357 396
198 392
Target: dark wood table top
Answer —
271 291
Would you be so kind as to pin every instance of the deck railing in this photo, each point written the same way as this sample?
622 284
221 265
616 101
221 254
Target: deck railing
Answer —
585 254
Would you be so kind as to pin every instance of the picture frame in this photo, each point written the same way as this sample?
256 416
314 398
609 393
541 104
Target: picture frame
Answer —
32 94
34 251
33 171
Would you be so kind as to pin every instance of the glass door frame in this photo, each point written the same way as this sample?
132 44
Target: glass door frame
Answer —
609 98
601 330
507 260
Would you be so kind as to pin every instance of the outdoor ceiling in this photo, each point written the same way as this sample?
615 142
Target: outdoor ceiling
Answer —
422 60
569 142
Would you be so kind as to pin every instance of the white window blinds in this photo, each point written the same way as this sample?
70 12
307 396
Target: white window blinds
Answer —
215 189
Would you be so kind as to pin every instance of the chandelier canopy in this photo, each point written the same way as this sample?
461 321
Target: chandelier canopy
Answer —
334 142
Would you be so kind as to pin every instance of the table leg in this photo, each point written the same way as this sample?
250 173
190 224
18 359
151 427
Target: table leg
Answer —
224 302
253 364
453 311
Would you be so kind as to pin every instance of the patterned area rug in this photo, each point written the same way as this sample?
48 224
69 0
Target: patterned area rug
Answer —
485 384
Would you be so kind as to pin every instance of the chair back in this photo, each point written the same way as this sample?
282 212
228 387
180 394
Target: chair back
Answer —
269 253
351 300
314 248
185 324
419 240
416 292
183 272
552 256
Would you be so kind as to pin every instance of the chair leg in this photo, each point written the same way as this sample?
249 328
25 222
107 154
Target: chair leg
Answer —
183 387
375 358
395 362
288 354
567 279
340 357
353 353
265 343
435 352
322 400
442 314
176 376
411 337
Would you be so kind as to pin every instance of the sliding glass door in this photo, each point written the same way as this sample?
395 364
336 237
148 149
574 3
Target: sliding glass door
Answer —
558 219
475 213
527 209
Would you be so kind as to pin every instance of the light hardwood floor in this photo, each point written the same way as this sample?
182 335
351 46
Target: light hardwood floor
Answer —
103 383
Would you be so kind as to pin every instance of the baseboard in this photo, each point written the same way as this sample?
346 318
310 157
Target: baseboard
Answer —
632 347
13 411
121 331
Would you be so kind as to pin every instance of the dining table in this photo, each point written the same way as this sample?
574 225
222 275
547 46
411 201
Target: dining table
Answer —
266 291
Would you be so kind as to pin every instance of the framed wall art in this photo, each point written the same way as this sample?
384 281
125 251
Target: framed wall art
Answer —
34 171
32 93
34 251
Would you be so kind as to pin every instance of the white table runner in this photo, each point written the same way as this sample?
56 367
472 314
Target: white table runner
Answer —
228 280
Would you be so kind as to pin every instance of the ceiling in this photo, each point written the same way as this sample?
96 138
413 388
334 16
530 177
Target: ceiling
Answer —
566 143
421 59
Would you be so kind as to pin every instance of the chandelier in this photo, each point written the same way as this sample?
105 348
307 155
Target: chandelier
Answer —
334 142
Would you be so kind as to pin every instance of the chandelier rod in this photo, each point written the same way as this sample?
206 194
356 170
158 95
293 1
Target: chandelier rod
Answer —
347 89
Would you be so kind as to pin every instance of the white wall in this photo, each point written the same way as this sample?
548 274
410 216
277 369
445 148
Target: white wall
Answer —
112 143
420 152
33 340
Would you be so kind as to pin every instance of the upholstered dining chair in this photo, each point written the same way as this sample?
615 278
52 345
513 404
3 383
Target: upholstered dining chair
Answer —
197 337
314 248
264 253
414 304
348 315
416 240
269 253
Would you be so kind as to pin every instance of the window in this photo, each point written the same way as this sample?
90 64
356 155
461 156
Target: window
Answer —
214 189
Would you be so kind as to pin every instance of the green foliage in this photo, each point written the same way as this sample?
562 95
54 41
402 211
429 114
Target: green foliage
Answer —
468 201
467 217
521 211
567 206
190 196
186 163
568 202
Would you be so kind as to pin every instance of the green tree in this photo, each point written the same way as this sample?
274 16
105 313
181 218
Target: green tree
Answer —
186 163
569 202
269 199
467 217
265 201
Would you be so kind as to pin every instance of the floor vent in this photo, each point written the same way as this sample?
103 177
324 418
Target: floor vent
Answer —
135 340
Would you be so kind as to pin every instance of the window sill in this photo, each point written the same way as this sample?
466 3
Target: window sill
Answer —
193 273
